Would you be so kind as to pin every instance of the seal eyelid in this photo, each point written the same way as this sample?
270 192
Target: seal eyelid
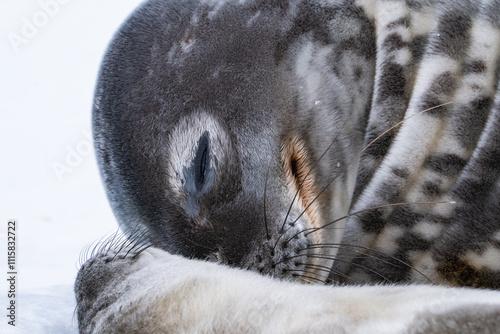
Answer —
200 176
203 164
202 161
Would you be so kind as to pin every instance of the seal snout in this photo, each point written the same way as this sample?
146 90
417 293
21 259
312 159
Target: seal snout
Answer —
283 254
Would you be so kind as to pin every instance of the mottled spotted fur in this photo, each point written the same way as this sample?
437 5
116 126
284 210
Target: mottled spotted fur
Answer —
430 53
265 97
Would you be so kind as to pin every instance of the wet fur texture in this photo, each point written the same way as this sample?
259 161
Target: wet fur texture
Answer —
320 141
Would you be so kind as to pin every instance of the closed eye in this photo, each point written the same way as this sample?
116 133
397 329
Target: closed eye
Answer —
202 161
203 165
199 177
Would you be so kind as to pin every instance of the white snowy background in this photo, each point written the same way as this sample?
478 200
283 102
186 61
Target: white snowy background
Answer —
50 51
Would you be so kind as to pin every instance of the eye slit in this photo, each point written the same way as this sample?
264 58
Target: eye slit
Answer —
203 164
202 161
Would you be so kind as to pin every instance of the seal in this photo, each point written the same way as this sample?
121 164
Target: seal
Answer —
218 141
351 141
280 136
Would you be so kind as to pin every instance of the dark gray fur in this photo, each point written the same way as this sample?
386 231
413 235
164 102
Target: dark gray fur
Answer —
243 76
238 63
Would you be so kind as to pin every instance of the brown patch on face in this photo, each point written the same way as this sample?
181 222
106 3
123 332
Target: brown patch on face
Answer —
298 171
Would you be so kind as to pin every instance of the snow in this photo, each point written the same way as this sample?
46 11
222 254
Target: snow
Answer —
50 51
46 310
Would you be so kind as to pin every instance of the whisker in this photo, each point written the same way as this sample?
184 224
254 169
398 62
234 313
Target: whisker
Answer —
133 247
112 243
321 268
344 169
138 252
265 209
364 268
128 242
310 230
301 272
391 257
109 243
330 270
82 257
145 242
375 208
333 258
309 278
326 246
133 238
317 246
96 245
355 249
316 266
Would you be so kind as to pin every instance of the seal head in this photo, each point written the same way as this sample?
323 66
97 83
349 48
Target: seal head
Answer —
222 130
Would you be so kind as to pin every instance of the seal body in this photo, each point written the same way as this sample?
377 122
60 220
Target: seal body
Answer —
132 290
270 134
